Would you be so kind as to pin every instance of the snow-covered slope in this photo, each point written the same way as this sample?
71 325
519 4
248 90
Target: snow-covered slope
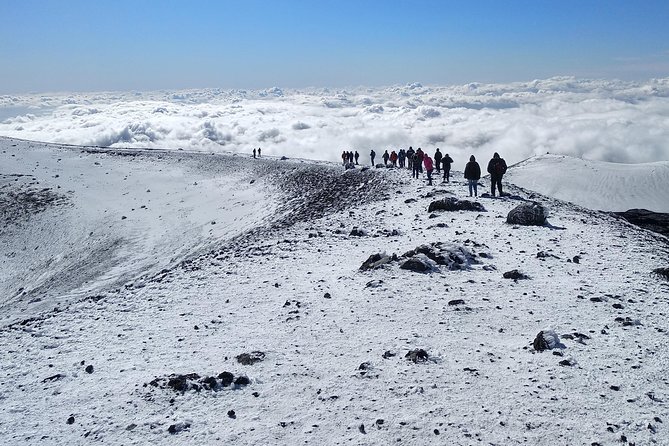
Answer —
596 184
330 341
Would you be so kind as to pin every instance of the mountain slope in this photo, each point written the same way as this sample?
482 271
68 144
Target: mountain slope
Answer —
596 184
327 342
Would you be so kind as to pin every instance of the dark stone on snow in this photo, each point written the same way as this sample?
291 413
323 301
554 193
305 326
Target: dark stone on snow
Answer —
653 221
250 358
284 158
357 232
388 354
576 259
231 414
515 275
89 369
210 382
453 204
376 260
417 355
70 420
664 272
415 265
55 377
179 427
528 214
242 381
410 200
327 296
456 302
566 363
618 306
226 378
361 428
364 366
541 342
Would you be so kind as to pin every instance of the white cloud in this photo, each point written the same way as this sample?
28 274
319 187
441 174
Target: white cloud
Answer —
595 119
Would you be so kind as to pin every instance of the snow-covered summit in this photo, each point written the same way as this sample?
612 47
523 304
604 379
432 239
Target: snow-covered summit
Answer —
596 185
163 328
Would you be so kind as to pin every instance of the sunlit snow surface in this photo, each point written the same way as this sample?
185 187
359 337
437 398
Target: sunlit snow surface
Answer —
280 275
594 119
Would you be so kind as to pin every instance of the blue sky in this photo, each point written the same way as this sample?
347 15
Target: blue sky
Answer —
73 45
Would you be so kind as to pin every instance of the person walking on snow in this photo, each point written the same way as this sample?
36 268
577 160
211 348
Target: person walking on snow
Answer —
420 154
258 152
472 174
385 157
401 156
437 160
410 155
372 154
356 156
496 169
254 152
393 158
416 163
428 168
446 161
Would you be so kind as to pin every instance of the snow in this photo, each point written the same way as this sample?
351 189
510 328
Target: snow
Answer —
283 278
597 185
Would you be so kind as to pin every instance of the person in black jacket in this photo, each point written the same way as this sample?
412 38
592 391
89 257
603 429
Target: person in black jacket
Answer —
385 157
496 169
437 160
372 154
446 161
472 174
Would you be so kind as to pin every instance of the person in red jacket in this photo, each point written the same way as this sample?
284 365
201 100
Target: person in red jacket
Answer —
429 166
393 158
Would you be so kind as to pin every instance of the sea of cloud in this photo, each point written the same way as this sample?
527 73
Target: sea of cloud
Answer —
604 120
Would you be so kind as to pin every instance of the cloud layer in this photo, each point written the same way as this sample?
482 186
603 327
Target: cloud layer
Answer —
593 119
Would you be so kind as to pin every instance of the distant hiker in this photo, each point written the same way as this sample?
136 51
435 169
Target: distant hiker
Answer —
410 155
401 157
416 163
393 158
356 156
472 174
428 168
437 160
496 169
344 157
385 157
254 152
372 154
350 156
258 152
446 162
420 154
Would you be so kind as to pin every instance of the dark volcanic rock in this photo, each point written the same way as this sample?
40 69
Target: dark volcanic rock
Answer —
250 358
515 275
664 272
416 265
226 378
453 204
546 340
528 214
376 260
178 427
456 302
417 355
653 221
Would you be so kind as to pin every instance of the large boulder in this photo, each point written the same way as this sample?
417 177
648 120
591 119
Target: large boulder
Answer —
453 204
528 214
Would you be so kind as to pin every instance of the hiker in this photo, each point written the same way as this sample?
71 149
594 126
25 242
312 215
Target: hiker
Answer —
344 157
410 154
472 174
416 163
350 157
401 157
356 156
258 152
254 152
393 158
446 161
372 154
420 154
496 169
437 160
385 157
428 168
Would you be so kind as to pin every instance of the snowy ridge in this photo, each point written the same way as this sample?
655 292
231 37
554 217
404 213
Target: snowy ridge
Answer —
336 355
596 184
